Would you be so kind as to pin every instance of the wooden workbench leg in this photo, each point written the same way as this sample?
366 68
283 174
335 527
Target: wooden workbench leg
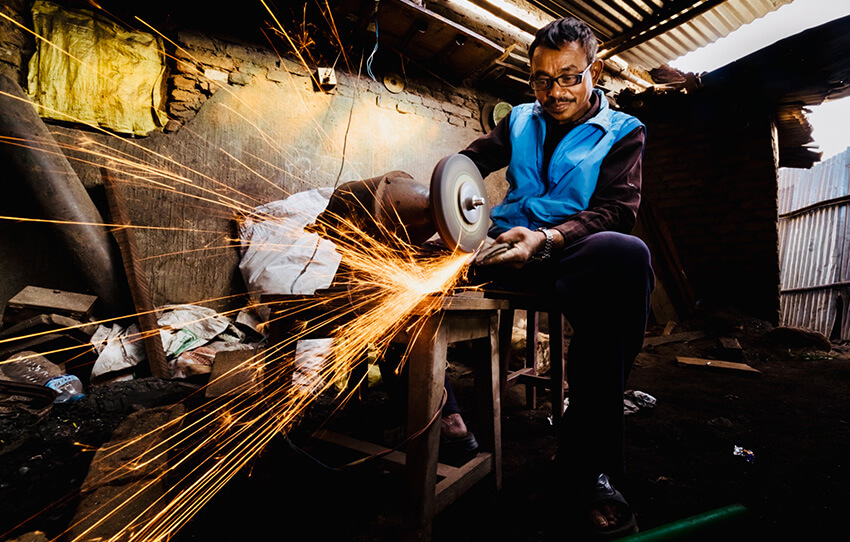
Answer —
427 371
556 364
506 329
488 402
532 319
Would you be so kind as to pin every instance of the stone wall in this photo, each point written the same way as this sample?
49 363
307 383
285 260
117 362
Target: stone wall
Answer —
16 44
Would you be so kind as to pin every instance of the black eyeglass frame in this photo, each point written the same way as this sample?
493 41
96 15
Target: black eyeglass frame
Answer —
562 80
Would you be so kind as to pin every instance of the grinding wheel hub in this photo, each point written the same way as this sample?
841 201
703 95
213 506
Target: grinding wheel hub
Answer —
459 203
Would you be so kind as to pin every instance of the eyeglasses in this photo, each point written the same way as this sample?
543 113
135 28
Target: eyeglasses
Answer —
568 80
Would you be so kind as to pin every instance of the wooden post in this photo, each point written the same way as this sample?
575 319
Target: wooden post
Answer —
427 372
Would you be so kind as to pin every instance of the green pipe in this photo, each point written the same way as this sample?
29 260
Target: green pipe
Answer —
688 526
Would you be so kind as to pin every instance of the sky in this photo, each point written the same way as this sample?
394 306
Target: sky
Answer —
831 129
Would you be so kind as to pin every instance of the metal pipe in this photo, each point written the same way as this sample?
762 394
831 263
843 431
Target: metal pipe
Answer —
60 195
689 526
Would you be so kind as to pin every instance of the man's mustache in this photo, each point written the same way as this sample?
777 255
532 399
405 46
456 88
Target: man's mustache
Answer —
559 100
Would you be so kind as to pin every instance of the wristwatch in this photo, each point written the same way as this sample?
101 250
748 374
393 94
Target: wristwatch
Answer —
546 253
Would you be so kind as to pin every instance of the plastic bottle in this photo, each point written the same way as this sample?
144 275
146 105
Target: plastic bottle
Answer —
68 387
33 368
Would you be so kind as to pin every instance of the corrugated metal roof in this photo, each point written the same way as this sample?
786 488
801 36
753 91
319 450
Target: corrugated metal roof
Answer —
651 33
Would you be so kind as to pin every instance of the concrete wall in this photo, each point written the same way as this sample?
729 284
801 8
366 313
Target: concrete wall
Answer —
247 128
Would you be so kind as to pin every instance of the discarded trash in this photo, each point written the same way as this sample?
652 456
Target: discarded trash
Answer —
32 368
68 387
642 399
186 327
117 348
310 357
635 400
193 362
747 454
278 256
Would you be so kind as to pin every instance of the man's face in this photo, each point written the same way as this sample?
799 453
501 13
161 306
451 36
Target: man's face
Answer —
565 104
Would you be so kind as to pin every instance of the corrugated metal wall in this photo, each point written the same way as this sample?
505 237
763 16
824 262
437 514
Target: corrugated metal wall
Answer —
814 232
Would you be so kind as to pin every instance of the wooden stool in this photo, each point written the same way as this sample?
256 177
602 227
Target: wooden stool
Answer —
533 305
432 485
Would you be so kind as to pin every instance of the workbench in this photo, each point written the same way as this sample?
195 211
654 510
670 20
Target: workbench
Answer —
431 486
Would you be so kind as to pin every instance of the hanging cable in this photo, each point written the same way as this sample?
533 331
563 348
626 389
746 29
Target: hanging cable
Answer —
372 56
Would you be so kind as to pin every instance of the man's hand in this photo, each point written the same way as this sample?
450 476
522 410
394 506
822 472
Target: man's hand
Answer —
523 244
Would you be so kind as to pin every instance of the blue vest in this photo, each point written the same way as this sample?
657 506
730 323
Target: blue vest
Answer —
573 168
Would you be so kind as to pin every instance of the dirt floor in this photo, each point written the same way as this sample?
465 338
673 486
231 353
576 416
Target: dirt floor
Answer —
792 418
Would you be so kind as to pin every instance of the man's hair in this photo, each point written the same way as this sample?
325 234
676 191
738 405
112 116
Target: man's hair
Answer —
562 31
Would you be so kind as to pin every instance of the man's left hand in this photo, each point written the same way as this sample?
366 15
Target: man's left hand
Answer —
524 243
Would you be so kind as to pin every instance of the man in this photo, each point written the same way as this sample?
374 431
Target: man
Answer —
574 173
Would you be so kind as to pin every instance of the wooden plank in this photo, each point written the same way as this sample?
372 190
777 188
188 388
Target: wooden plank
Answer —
463 478
394 457
717 364
137 279
32 301
668 329
673 338
55 300
731 348
232 374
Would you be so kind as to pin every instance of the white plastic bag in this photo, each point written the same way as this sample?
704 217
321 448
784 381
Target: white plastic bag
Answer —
278 256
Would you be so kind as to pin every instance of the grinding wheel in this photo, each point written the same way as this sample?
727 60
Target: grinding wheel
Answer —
459 203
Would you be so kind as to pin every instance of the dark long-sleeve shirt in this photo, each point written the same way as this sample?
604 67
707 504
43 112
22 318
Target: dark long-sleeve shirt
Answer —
615 201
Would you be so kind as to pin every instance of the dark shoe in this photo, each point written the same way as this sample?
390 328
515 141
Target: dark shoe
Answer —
456 451
603 493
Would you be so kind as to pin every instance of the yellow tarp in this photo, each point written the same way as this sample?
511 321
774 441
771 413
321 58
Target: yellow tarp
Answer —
94 71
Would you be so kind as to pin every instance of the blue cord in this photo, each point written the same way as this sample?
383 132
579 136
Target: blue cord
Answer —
372 56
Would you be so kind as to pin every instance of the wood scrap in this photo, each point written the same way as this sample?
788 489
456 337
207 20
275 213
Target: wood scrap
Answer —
718 365
137 278
674 337
731 349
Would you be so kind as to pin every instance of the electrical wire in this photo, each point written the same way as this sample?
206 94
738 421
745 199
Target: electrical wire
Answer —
350 114
372 56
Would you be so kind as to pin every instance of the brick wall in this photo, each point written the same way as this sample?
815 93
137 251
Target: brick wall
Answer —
710 170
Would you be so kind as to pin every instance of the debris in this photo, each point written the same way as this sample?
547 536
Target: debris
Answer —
194 362
278 256
795 337
131 463
747 454
33 300
731 349
118 348
634 400
717 364
310 356
675 337
233 373
668 329
32 368
186 327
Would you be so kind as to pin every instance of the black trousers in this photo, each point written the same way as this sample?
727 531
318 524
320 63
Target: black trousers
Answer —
602 283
